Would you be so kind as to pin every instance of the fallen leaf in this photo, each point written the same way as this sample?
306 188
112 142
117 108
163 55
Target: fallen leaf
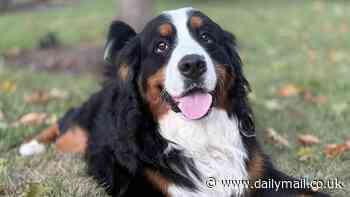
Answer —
43 96
289 90
309 97
308 139
275 138
37 97
305 153
333 150
56 93
33 119
8 86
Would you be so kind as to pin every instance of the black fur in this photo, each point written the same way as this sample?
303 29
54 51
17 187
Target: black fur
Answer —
123 135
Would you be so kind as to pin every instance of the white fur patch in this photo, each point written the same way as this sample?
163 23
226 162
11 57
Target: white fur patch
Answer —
215 145
31 148
185 45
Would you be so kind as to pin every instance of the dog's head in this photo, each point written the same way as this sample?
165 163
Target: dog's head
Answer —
181 61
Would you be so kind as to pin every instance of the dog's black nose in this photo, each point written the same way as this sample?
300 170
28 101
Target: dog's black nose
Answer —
192 66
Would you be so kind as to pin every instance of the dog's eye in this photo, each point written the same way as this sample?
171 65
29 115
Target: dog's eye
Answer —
207 38
161 47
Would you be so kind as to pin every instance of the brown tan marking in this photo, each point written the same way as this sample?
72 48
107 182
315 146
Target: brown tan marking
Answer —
256 166
225 81
255 169
165 29
73 141
124 71
196 22
158 181
153 94
48 135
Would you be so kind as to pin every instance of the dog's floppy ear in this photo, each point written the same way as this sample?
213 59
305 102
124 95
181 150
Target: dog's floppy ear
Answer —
119 34
240 89
125 62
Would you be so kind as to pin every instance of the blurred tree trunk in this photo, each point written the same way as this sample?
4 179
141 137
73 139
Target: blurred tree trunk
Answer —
4 5
136 12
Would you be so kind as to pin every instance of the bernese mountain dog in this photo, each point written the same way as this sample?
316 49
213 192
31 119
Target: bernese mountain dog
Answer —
172 114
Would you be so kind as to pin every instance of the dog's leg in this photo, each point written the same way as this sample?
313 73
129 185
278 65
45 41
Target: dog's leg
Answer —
74 140
68 133
37 144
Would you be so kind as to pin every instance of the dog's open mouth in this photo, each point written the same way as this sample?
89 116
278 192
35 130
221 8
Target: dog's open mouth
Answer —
195 103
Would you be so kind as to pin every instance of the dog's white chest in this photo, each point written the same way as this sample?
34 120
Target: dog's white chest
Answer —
214 144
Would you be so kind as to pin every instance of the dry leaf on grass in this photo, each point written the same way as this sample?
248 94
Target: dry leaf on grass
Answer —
37 97
294 90
308 139
43 96
305 153
309 97
289 90
333 150
7 86
33 119
274 138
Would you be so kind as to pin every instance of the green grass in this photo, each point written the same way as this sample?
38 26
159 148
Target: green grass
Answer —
89 18
281 42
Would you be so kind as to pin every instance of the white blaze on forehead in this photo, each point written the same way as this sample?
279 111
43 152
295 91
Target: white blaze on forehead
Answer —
185 45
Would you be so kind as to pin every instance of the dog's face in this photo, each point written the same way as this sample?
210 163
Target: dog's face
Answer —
184 56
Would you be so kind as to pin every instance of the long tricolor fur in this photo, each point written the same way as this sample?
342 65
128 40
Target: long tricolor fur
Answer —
136 144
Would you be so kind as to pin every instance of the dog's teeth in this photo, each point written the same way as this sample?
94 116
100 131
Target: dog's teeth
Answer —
31 148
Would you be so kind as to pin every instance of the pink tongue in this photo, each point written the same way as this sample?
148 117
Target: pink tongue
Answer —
195 106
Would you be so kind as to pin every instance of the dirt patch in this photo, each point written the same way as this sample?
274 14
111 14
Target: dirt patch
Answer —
33 5
65 59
